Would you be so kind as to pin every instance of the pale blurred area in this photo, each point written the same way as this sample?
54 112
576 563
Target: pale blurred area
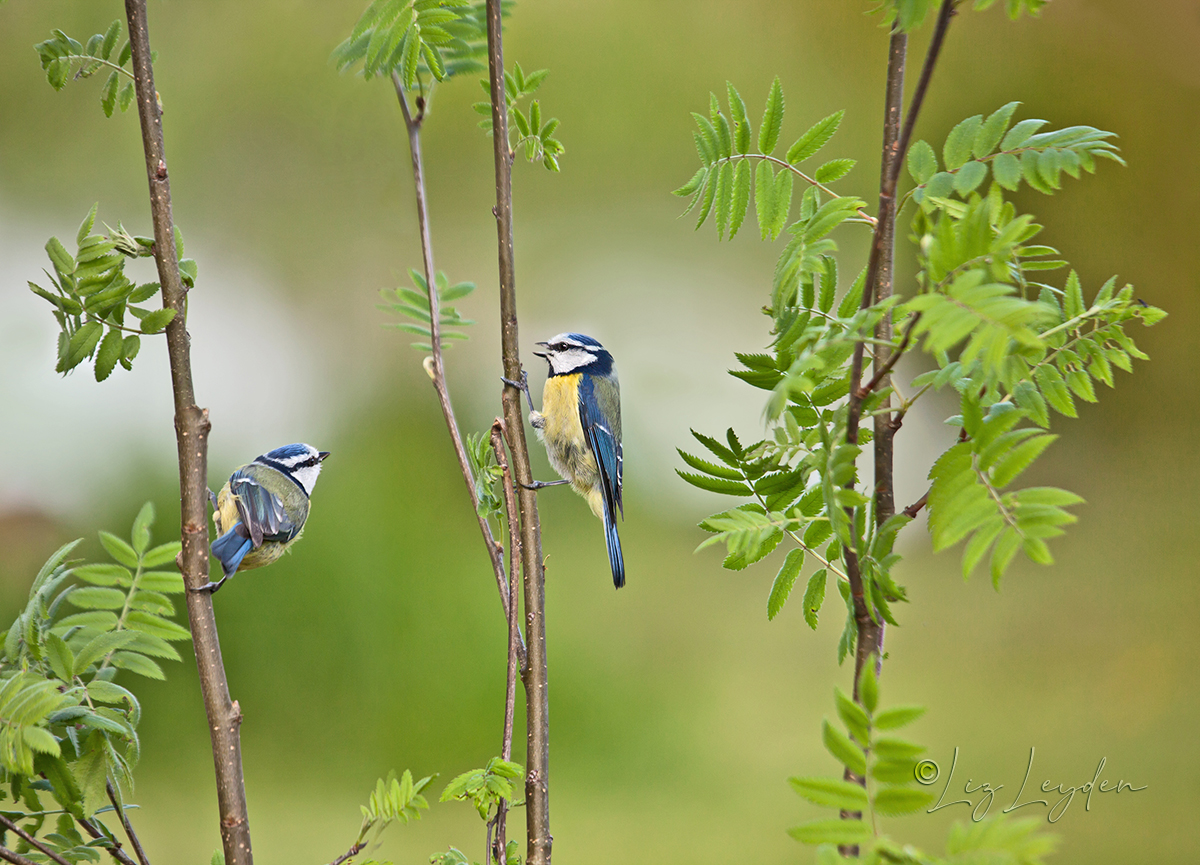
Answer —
678 711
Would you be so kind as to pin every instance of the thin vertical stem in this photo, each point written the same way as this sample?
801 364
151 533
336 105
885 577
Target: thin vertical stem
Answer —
126 825
878 286
514 631
537 703
437 370
191 431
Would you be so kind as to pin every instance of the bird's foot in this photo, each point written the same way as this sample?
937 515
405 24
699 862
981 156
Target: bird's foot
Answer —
212 497
211 588
537 485
522 385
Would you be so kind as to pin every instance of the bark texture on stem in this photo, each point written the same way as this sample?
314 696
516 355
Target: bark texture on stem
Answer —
412 124
191 432
537 704
499 436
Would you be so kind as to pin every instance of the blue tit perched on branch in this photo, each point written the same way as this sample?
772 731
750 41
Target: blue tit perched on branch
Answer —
580 424
261 511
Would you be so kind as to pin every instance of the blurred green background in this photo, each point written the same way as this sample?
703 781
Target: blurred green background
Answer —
677 710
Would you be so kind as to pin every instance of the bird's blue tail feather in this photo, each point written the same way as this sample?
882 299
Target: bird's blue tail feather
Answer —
231 548
613 541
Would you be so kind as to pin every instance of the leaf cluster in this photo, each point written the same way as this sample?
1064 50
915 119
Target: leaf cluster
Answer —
534 134
64 59
724 184
66 727
885 771
92 296
393 800
908 15
1021 153
414 303
1007 342
486 472
869 751
422 41
454 856
484 788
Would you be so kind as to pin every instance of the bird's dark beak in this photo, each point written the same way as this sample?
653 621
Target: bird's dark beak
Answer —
541 353
322 454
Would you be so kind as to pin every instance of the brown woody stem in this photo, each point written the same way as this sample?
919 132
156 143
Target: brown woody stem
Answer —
29 839
537 704
191 432
499 849
412 124
128 827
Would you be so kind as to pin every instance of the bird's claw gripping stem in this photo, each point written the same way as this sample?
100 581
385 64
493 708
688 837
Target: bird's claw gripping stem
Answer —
522 385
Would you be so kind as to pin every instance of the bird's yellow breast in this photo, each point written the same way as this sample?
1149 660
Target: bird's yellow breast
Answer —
226 513
565 443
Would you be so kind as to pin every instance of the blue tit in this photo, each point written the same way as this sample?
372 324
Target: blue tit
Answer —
580 424
261 511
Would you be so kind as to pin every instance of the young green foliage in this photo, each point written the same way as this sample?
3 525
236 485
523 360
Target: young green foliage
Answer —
1013 342
533 133
722 185
92 296
64 58
484 788
884 762
486 472
66 727
392 801
422 41
415 305
1013 155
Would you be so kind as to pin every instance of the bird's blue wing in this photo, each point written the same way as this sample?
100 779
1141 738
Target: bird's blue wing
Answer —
600 416
261 511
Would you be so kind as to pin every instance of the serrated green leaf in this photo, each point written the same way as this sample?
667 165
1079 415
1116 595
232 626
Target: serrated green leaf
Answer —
922 162
847 753
969 177
897 801
992 130
959 143
119 549
98 598
741 197
768 133
108 354
853 716
61 659
831 793
784 580
897 716
814 138
157 320
833 170
140 664
832 831
814 596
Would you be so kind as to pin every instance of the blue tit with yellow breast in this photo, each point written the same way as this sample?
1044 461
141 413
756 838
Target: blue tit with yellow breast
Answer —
261 511
580 424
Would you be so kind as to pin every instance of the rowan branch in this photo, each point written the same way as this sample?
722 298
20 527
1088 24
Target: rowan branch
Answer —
129 833
537 707
32 841
191 433
437 369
